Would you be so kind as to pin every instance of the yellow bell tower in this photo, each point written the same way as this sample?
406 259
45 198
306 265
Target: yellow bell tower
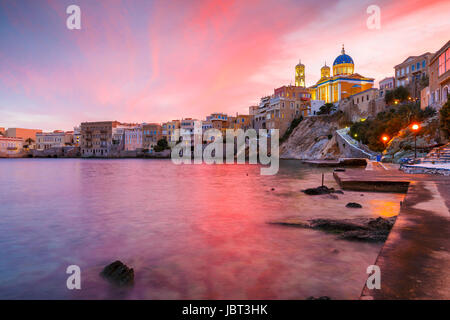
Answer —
300 75
325 71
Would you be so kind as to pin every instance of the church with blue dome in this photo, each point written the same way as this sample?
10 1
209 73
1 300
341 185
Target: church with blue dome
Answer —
343 83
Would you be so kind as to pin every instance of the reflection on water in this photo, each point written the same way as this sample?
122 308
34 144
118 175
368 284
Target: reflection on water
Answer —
189 231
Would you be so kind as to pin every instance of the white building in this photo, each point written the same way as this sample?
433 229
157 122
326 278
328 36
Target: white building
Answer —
10 146
55 139
133 138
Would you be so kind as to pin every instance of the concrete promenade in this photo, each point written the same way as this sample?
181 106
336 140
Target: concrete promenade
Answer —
415 259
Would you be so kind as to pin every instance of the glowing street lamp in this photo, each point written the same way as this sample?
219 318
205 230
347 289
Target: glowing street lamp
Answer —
385 138
415 127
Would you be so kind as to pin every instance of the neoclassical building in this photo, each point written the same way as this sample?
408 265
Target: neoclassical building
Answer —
343 83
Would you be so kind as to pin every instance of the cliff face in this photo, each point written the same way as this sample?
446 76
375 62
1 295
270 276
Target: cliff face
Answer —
313 139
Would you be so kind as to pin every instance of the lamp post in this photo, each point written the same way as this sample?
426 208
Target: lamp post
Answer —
385 139
415 127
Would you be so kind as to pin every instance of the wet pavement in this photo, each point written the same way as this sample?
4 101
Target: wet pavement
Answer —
415 260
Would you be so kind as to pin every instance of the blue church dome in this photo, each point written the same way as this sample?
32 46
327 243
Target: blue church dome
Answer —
343 58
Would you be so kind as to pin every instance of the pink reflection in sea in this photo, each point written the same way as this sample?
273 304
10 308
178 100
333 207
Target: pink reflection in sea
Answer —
189 231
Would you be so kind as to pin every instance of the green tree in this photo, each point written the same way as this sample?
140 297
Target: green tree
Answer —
161 145
327 108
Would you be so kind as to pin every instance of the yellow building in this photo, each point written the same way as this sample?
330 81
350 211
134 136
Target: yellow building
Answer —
343 83
300 75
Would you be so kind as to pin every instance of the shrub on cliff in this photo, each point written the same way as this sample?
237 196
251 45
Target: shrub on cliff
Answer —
327 108
389 123
291 128
401 94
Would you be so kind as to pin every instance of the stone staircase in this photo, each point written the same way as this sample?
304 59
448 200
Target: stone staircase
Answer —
438 155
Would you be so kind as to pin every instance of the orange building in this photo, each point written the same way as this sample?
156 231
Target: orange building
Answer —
25 134
151 133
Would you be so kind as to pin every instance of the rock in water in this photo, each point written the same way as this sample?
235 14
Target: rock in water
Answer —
319 298
318 190
118 273
360 229
353 205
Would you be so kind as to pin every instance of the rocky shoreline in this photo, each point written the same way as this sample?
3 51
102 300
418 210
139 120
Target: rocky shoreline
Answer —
356 229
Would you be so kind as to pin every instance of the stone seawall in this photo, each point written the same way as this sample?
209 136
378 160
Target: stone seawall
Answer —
418 169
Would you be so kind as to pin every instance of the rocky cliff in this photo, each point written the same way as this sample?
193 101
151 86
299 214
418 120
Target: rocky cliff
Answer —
402 145
313 139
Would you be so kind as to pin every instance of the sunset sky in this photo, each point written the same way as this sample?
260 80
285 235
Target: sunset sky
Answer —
153 61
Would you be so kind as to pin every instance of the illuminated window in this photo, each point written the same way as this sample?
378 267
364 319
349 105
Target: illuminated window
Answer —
442 64
447 63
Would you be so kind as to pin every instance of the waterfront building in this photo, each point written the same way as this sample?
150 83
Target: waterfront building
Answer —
343 83
170 131
363 104
242 121
76 136
97 138
314 107
259 118
280 113
284 105
253 110
55 139
10 146
187 125
23 133
151 133
133 138
439 82
425 97
220 121
387 84
412 73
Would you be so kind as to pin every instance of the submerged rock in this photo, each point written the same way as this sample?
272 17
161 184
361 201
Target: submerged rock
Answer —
353 205
318 190
118 273
360 229
318 298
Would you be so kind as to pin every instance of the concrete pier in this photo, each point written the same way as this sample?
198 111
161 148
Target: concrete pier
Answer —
415 259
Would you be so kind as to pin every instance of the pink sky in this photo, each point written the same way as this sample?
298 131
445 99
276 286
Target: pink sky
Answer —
141 61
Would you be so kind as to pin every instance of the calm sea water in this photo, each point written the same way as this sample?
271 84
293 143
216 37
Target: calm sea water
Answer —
189 231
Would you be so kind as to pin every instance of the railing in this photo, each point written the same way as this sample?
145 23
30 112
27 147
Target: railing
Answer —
353 143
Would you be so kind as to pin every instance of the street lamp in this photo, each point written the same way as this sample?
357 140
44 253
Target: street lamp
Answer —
415 127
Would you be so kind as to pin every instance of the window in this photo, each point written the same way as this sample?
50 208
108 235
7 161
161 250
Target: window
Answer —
418 65
424 63
412 67
447 63
407 69
442 64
